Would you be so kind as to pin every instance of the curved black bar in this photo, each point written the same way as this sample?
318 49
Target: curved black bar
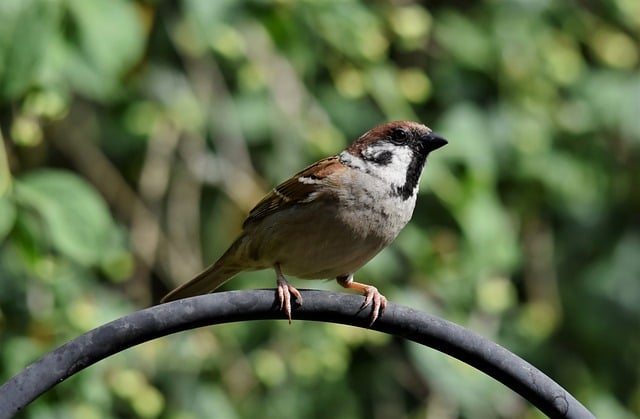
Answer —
233 306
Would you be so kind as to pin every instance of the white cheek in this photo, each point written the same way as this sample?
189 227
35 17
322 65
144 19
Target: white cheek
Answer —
395 172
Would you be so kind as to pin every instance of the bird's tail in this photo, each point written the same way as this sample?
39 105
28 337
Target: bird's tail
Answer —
207 281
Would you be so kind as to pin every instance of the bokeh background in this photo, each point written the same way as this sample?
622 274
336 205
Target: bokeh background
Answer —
136 135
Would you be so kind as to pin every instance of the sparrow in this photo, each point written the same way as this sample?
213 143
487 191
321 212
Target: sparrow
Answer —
331 218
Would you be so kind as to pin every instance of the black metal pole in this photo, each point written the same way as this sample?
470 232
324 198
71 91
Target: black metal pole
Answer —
234 306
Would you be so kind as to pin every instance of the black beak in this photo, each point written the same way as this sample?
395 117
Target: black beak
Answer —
433 141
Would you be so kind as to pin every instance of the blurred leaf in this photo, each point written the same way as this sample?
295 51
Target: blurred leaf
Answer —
586 203
385 87
118 265
7 216
615 98
622 273
354 21
472 140
202 12
488 229
5 173
76 219
103 41
26 27
475 393
466 40
26 131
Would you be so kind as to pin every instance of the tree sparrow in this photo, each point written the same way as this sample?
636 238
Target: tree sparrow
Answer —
331 218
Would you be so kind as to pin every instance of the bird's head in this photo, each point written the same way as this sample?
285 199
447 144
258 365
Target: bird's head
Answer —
395 152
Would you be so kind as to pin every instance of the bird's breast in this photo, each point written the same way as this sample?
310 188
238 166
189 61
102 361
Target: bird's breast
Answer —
329 238
371 207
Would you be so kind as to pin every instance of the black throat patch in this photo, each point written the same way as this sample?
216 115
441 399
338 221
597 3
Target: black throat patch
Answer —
413 177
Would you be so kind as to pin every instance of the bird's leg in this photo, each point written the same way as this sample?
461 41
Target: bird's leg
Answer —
371 295
284 292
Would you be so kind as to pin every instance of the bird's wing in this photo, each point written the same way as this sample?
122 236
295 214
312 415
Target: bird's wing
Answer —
302 188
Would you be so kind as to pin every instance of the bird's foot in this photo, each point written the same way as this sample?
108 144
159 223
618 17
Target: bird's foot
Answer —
284 294
377 301
372 296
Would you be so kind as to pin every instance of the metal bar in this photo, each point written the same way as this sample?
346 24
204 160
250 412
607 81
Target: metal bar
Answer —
234 306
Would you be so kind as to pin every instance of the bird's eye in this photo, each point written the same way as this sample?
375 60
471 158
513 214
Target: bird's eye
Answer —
399 135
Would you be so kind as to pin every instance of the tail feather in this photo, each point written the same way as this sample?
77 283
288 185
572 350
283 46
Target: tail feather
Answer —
207 281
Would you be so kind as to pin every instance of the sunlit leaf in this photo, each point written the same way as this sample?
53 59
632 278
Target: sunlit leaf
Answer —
75 217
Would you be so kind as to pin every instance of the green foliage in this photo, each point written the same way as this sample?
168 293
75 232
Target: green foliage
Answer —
136 135
73 216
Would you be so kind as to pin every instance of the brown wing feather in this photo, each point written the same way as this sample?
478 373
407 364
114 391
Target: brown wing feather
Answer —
296 190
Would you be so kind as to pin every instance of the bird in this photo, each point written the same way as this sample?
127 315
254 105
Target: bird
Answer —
331 218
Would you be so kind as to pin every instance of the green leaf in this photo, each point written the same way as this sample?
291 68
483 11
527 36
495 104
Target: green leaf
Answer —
25 29
465 39
107 40
7 216
76 219
5 173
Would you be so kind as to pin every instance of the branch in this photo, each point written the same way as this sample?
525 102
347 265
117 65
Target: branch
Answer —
235 306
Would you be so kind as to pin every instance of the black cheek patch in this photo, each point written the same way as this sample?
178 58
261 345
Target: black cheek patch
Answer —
383 158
